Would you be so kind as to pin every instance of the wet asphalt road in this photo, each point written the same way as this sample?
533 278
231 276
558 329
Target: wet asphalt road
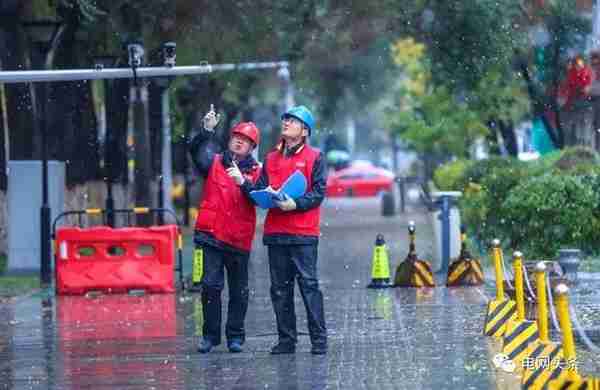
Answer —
379 339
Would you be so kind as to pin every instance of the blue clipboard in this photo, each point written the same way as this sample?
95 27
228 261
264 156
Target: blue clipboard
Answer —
294 187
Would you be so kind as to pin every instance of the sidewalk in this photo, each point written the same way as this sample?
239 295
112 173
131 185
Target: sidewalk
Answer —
379 339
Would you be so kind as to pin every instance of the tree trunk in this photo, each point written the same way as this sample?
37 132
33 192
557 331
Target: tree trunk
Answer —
117 115
73 131
19 107
507 130
560 134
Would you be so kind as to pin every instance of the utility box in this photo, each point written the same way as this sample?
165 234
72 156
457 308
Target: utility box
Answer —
24 204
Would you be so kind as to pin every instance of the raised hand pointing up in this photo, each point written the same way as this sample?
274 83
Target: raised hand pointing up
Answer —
211 119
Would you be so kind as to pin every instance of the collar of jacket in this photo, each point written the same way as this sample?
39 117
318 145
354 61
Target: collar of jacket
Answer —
246 165
293 150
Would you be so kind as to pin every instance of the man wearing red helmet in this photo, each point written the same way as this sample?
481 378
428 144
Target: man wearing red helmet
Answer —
225 226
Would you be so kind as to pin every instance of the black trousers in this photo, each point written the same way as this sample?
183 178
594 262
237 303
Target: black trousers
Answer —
286 263
215 260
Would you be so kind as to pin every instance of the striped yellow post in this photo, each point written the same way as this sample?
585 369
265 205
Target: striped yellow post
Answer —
542 302
413 272
568 343
500 310
544 358
466 270
519 293
422 275
520 333
577 384
497 257
567 378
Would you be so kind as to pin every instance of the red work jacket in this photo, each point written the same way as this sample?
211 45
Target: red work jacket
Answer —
279 168
224 211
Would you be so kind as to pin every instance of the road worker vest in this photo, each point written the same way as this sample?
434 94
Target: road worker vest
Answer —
224 210
279 168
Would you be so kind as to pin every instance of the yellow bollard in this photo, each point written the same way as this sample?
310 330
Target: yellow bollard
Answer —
520 333
498 270
542 302
568 344
543 361
519 291
500 310
567 377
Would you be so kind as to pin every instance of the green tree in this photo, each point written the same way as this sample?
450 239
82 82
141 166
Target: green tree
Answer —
567 30
468 60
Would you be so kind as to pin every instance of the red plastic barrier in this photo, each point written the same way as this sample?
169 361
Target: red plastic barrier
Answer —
115 260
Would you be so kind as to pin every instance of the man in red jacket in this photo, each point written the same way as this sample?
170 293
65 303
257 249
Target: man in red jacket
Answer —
292 231
225 226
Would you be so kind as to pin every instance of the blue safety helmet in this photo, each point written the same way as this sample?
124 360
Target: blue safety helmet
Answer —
303 114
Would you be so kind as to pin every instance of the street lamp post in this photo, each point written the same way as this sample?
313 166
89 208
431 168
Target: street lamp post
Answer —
41 34
108 61
163 84
284 74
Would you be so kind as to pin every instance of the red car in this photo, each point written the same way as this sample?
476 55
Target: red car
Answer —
359 180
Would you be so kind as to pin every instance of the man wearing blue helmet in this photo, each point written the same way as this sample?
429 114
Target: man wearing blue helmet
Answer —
292 230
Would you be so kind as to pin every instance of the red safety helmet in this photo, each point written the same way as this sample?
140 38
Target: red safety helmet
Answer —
248 130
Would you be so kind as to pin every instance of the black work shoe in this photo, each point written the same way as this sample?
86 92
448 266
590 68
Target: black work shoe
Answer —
205 346
235 346
319 349
283 348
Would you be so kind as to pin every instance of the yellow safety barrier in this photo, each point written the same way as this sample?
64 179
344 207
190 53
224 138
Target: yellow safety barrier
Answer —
520 333
568 377
380 265
466 270
565 374
543 356
501 309
576 384
413 272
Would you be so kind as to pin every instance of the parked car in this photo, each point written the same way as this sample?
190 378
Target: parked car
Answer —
360 180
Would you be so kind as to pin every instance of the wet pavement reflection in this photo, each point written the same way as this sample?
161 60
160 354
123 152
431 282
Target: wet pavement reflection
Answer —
379 339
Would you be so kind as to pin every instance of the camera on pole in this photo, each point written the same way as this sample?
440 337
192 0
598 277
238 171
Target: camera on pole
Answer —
136 54
169 54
